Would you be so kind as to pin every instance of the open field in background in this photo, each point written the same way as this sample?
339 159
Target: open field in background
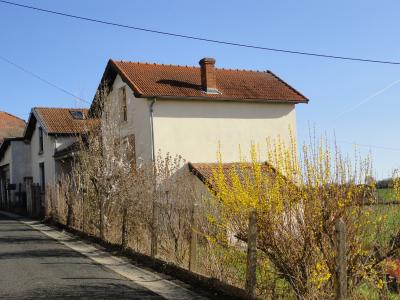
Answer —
386 194
391 213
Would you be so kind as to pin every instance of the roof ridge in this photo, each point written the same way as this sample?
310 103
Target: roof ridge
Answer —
187 66
154 64
11 115
67 108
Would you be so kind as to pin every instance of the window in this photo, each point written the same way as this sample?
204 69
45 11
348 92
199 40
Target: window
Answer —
40 140
124 108
42 176
77 114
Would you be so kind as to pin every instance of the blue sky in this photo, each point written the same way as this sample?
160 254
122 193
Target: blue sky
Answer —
73 54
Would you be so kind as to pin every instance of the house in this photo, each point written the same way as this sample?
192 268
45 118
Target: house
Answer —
192 111
48 131
14 159
10 126
40 156
13 154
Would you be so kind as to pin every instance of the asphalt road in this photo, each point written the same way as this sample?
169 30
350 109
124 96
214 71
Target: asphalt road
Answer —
34 266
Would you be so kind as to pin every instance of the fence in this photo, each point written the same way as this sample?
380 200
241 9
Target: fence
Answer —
34 198
13 197
175 232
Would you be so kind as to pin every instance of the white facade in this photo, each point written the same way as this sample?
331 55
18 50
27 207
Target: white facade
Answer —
16 160
50 144
194 129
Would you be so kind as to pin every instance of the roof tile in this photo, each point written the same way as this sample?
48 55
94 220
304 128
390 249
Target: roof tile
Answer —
181 81
10 126
61 121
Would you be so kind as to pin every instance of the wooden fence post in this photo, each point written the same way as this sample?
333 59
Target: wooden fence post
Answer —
341 263
251 280
193 240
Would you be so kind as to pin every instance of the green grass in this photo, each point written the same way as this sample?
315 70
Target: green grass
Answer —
387 194
391 225
366 292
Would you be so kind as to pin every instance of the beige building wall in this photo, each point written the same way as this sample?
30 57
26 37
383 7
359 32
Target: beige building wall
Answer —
195 129
138 121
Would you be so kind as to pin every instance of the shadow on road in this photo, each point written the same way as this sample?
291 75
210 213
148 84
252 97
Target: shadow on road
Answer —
91 291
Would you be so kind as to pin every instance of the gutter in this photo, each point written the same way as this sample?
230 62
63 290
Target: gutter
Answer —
153 155
221 99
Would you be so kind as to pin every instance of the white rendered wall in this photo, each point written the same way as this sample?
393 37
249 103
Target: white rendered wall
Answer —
194 129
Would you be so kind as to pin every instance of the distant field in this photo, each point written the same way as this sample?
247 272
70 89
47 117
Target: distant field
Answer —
384 235
387 194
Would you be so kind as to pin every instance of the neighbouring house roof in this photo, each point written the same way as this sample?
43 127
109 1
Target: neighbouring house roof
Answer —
205 171
59 121
157 80
10 126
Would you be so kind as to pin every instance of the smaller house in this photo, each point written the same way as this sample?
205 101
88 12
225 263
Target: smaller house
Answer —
10 126
13 154
50 130
39 156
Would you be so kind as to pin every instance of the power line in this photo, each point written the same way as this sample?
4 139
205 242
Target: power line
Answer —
41 79
199 38
371 146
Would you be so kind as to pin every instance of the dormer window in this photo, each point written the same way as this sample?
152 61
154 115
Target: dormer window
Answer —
124 108
77 114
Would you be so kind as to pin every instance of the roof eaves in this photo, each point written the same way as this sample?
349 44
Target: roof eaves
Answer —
40 119
125 78
244 100
20 119
289 86
28 126
201 177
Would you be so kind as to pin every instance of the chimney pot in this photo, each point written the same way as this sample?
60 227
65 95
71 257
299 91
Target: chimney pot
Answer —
208 76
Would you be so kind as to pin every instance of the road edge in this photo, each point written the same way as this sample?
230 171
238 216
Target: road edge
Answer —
120 265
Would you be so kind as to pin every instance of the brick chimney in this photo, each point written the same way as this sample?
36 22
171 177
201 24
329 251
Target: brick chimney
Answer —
208 76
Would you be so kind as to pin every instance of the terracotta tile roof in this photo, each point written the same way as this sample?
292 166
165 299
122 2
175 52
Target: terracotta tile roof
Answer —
149 80
61 121
205 170
10 126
